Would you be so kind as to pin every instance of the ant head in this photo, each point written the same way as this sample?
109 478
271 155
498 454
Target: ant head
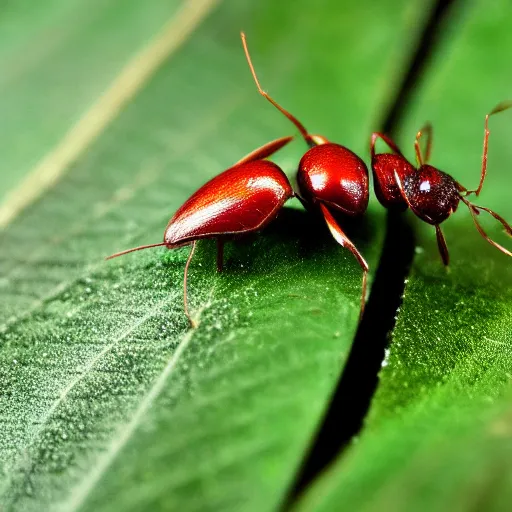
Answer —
334 175
431 194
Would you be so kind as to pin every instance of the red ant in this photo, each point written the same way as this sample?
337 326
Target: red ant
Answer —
247 196
429 192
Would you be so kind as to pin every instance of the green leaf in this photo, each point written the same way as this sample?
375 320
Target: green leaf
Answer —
56 59
109 400
438 436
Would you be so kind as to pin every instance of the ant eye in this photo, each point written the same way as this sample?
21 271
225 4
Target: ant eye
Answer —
425 186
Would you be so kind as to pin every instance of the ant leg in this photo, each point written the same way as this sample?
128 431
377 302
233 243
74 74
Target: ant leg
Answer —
387 140
220 254
473 209
264 151
499 218
192 322
402 192
504 105
427 128
443 248
344 241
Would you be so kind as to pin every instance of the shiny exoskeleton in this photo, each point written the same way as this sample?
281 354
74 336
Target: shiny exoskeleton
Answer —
241 200
246 197
430 193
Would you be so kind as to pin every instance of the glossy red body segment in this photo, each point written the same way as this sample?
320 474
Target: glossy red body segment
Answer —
432 194
386 189
334 175
242 199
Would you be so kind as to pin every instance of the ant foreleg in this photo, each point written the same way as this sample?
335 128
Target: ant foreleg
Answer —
344 241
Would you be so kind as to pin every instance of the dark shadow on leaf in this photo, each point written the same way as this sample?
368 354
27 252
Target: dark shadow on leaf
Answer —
294 234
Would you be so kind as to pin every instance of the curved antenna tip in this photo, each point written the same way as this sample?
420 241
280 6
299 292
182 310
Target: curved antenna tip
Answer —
291 117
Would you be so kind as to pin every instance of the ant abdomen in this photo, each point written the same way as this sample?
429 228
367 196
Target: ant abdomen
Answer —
242 199
332 174
432 194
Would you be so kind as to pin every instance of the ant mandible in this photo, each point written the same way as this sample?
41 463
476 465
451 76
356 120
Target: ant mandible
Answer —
329 176
429 192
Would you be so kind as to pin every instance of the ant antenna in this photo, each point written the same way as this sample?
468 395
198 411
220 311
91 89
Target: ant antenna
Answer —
474 210
140 248
427 128
308 138
500 107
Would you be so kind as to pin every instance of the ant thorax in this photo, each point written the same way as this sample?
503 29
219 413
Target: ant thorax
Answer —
432 194
384 166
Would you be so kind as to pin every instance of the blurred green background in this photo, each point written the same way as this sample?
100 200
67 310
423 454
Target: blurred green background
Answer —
111 115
